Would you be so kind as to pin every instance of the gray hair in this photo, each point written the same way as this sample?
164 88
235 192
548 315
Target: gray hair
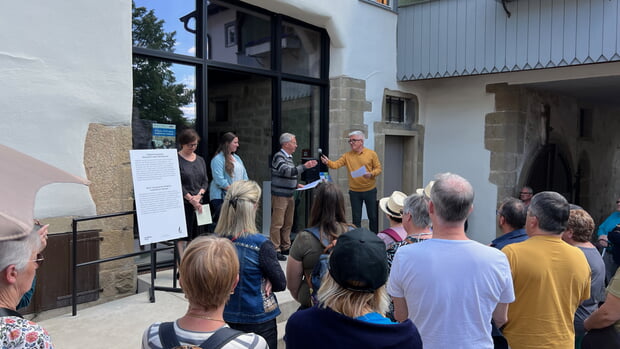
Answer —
552 211
357 133
286 137
417 206
452 197
19 251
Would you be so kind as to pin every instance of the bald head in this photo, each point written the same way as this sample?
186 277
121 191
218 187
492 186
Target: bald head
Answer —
452 197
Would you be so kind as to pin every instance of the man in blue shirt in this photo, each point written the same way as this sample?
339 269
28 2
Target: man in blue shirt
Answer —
511 219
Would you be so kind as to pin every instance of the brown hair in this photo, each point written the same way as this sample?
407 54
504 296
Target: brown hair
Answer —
327 211
223 148
209 271
187 136
581 224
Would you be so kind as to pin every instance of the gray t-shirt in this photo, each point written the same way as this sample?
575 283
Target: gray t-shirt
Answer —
597 289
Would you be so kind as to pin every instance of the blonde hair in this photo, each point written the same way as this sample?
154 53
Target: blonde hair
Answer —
209 271
238 215
581 224
351 303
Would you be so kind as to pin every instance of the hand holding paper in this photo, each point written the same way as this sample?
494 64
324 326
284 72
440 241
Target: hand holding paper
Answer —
360 172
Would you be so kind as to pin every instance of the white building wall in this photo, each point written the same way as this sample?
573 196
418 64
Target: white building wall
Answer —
64 65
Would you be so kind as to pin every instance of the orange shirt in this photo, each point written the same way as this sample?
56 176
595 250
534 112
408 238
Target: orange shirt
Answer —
353 161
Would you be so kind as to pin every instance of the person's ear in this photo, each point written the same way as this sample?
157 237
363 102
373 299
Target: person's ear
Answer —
9 274
502 220
234 285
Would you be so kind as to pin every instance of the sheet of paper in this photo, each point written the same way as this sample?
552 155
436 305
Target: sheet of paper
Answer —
359 172
158 195
311 185
204 217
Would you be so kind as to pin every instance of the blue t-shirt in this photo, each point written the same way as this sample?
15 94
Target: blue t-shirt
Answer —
375 318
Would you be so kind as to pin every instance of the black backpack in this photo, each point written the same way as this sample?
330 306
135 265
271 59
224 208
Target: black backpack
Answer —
221 337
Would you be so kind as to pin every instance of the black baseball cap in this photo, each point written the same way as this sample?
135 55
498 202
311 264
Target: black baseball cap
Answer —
359 261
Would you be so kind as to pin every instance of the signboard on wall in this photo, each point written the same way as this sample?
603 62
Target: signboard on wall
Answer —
158 195
164 136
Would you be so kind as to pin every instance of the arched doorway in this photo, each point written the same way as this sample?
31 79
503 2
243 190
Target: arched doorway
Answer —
550 170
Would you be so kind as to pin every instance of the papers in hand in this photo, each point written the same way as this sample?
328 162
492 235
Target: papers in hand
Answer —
204 217
359 172
311 185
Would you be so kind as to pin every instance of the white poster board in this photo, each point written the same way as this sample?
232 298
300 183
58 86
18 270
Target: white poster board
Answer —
158 195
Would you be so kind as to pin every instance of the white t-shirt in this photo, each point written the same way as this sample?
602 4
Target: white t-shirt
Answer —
451 288
150 339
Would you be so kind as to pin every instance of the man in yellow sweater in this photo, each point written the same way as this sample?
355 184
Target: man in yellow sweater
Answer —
363 168
551 278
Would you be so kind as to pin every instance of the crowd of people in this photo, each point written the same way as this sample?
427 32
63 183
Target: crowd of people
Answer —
421 282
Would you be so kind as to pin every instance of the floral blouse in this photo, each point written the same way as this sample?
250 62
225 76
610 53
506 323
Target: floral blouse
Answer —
393 247
16 332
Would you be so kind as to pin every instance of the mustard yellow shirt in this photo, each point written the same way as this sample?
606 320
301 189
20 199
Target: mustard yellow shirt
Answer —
551 278
353 161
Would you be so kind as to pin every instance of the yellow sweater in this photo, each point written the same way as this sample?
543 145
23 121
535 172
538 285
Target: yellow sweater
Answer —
354 161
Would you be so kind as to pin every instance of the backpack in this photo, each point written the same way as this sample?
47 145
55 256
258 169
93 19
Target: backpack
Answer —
221 337
320 268
393 234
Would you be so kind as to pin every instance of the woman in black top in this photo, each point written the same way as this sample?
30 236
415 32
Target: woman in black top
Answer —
193 182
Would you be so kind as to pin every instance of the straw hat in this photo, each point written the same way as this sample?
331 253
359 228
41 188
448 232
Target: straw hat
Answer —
427 190
393 205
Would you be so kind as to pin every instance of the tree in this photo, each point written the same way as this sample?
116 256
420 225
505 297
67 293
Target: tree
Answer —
156 94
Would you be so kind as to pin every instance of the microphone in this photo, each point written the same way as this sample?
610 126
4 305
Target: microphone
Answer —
320 153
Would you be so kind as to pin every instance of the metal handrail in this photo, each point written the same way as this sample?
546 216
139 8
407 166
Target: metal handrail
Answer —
153 250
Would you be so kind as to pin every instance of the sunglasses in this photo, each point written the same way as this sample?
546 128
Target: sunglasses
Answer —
39 260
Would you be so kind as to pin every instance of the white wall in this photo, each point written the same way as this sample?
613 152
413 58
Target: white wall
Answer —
64 64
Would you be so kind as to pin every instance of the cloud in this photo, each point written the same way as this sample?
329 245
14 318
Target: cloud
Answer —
192 50
189 111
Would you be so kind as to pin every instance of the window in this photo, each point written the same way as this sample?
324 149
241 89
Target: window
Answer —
390 5
400 108
395 109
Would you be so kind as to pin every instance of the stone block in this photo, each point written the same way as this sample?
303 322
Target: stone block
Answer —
125 281
504 161
503 178
508 99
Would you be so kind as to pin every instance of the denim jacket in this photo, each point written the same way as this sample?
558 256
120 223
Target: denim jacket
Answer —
221 178
249 304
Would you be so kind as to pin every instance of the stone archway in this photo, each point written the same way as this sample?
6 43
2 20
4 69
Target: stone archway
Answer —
551 170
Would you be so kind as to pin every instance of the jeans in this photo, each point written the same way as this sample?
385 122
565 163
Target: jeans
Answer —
267 330
370 199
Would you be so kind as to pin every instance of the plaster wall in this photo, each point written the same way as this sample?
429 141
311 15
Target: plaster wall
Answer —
64 65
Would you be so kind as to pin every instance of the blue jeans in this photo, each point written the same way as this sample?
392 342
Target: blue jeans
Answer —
267 330
370 199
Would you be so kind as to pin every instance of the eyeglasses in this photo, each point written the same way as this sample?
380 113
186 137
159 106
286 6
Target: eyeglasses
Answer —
618 201
351 141
39 259
192 145
525 193
498 213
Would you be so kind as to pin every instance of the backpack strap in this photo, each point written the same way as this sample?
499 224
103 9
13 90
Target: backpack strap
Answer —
220 338
317 234
393 234
167 336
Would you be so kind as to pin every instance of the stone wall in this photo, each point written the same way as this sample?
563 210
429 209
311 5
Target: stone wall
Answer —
107 165
525 119
347 104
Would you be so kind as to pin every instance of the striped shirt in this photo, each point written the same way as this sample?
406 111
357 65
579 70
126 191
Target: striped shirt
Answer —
151 340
